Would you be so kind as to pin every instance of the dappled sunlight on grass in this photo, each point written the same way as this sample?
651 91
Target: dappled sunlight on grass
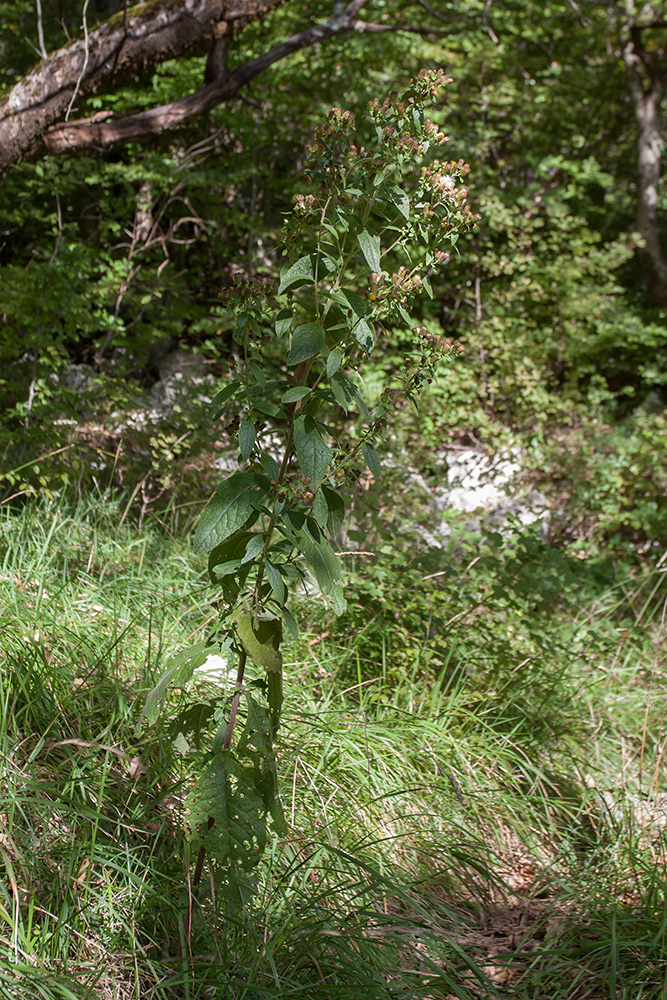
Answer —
436 847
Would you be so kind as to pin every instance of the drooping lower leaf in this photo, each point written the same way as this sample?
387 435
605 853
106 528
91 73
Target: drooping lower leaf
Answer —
178 672
227 793
256 746
322 560
262 638
276 581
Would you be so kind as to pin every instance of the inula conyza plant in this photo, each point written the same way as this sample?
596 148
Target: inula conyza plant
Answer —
275 521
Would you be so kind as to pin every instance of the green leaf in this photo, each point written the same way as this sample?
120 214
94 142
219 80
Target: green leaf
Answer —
355 302
258 372
290 624
336 509
346 392
256 745
270 466
334 361
229 509
307 341
192 721
295 393
274 696
254 547
372 460
322 560
225 566
320 509
261 638
264 406
231 389
313 454
399 199
338 601
302 272
283 322
427 285
370 248
276 581
246 437
226 557
226 793
364 336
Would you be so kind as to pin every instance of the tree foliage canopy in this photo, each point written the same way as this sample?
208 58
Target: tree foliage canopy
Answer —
151 152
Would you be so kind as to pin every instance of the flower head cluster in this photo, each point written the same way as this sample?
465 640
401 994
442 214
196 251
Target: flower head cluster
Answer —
332 136
244 289
305 205
442 177
393 290
434 134
399 118
428 84
436 347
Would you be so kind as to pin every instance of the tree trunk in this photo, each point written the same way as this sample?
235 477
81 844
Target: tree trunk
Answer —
644 75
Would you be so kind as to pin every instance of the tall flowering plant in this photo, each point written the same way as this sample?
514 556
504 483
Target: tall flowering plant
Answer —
275 519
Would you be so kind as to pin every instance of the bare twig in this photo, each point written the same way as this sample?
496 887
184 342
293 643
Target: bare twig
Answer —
59 218
86 49
40 29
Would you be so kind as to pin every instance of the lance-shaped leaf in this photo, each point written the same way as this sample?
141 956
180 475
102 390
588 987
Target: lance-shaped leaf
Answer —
334 361
291 624
336 510
276 582
296 393
357 304
229 509
346 393
321 558
362 332
320 510
399 199
233 388
372 460
313 454
226 557
283 322
246 437
307 341
370 248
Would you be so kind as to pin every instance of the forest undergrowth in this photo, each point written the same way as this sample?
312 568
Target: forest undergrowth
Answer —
470 775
